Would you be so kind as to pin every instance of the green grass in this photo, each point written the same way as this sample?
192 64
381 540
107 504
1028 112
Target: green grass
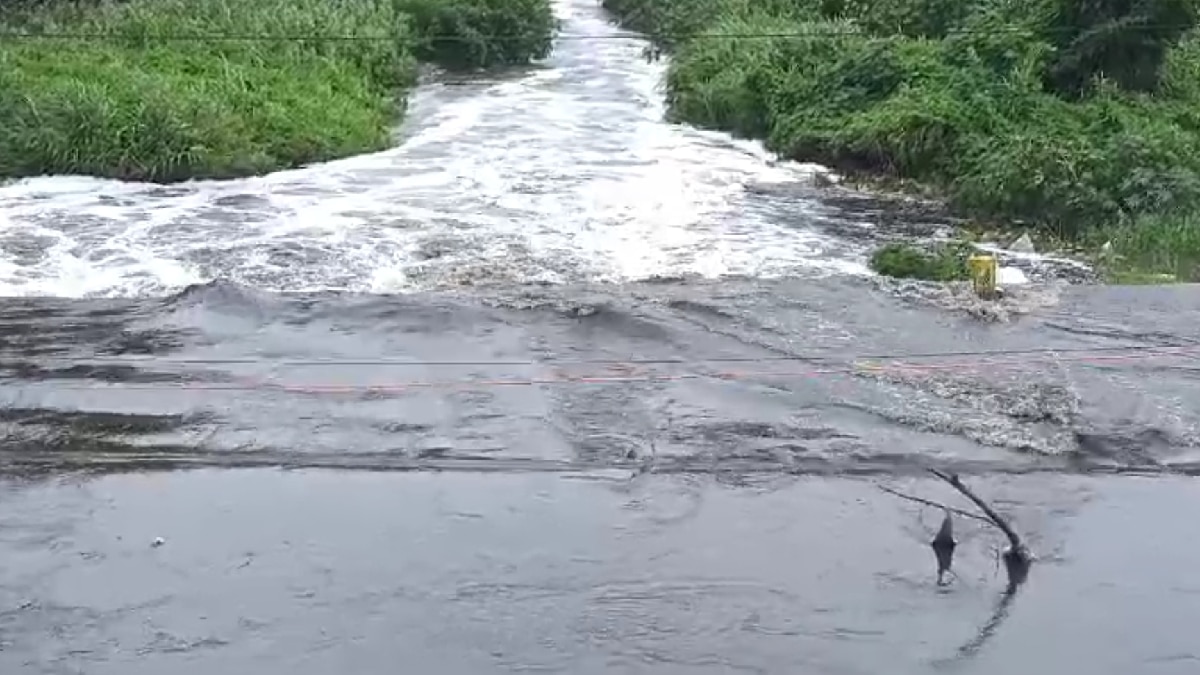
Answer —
943 262
1156 249
135 107
1073 119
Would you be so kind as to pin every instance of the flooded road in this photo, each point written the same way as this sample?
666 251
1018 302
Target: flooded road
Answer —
563 388
686 375
311 572
673 477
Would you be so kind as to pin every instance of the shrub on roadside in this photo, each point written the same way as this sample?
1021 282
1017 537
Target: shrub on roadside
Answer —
945 262
93 111
1159 247
165 99
999 103
480 33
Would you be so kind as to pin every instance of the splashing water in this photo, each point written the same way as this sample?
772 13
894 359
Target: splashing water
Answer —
558 173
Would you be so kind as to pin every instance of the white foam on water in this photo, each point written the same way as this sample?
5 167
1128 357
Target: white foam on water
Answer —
564 172
1032 257
1011 276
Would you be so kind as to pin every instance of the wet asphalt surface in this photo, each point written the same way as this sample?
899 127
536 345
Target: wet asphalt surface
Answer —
309 572
567 389
712 509
806 375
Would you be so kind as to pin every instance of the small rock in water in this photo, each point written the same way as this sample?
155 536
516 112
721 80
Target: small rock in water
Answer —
158 541
1023 244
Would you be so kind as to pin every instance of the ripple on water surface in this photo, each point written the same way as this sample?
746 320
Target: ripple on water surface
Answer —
309 572
749 375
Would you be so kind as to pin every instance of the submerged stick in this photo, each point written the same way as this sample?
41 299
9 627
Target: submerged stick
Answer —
936 505
1017 558
1017 555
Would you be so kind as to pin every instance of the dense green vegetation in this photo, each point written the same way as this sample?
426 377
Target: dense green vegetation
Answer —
143 91
1080 119
943 262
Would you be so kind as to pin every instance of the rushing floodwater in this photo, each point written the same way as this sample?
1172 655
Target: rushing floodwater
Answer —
564 172
632 402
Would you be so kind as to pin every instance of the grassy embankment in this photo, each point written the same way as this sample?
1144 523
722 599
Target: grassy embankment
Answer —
141 92
1077 122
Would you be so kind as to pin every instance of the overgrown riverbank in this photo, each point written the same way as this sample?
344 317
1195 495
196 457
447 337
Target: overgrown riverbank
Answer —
167 90
1084 124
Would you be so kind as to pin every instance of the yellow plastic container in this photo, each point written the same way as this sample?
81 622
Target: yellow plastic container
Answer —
984 269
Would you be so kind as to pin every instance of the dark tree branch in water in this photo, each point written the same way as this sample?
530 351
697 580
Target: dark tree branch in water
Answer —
1017 572
987 630
1017 558
993 623
936 505
1017 555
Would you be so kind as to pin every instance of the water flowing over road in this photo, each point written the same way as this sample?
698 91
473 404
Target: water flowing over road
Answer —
566 388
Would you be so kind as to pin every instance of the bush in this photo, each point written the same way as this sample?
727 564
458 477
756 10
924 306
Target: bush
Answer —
102 112
1115 39
481 33
665 21
135 106
1034 111
946 262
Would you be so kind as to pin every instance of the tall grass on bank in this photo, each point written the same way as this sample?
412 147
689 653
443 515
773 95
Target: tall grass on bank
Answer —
131 106
1079 118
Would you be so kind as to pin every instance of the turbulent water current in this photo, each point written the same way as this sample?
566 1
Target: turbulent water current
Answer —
561 172
550 214
631 382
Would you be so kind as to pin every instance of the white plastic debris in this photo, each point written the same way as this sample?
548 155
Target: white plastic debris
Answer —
158 541
1011 276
